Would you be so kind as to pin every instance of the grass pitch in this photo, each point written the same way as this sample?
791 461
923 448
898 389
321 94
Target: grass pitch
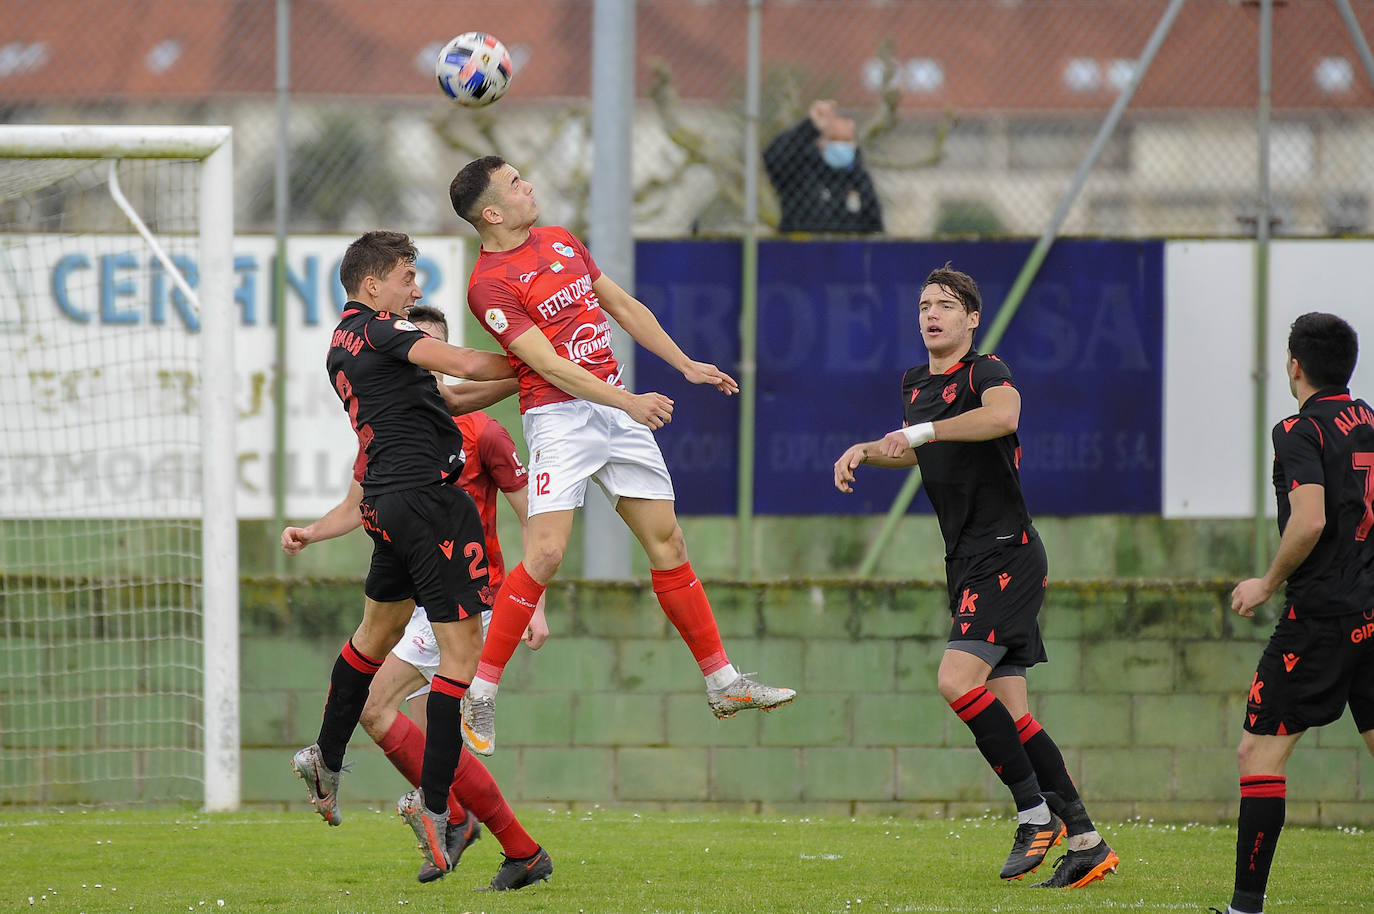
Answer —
171 860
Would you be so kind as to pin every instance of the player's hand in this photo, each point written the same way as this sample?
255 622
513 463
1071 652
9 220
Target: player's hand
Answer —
822 112
706 373
651 409
1248 594
293 540
894 444
844 468
537 632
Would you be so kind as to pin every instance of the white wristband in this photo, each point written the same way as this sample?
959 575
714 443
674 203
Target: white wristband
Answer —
917 435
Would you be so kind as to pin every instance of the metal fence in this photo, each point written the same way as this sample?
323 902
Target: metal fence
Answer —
969 116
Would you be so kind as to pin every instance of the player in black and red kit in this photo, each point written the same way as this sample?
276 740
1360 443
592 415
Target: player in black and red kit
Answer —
961 411
1321 656
540 294
428 543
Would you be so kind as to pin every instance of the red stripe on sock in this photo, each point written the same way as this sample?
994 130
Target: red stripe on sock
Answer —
1027 727
1264 785
358 660
972 703
684 603
451 687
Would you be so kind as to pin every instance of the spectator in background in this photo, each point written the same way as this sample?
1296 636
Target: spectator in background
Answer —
818 172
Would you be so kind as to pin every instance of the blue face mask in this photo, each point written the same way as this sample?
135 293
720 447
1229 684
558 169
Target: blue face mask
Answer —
839 154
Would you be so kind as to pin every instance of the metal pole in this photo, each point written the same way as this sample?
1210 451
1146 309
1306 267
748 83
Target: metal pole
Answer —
606 541
1261 444
1352 25
281 205
1033 262
749 301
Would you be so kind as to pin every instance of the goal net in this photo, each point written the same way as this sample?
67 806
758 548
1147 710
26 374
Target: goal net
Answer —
118 541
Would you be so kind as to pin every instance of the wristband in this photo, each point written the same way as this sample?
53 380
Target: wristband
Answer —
917 435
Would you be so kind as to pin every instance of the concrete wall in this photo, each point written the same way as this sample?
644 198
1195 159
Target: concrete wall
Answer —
1145 693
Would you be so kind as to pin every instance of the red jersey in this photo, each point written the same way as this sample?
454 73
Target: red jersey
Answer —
546 283
491 464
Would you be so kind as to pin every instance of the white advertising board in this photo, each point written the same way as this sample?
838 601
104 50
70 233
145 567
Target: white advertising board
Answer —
101 363
1209 344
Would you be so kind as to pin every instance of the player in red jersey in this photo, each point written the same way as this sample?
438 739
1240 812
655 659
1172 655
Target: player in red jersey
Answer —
1320 658
540 294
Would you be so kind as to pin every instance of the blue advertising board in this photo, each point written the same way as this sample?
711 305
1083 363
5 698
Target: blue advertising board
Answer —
838 327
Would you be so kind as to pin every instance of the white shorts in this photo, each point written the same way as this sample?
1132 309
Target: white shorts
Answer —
577 440
418 648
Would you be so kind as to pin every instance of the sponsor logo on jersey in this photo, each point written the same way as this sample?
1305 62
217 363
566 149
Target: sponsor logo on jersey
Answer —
556 267
588 340
496 320
570 294
404 324
563 249
526 277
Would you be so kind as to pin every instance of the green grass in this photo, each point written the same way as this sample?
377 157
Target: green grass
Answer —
611 861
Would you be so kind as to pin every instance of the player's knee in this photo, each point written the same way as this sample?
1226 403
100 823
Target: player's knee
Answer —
668 550
374 721
541 560
952 684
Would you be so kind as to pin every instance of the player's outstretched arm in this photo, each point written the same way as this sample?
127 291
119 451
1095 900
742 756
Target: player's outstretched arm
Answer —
869 452
1300 536
534 349
639 322
459 361
471 396
340 519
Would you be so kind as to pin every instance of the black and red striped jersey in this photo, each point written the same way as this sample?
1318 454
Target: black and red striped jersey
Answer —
974 486
1330 443
406 437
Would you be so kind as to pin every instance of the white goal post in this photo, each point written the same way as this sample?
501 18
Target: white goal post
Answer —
210 292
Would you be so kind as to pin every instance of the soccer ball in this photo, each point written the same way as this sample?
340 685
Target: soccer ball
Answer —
474 69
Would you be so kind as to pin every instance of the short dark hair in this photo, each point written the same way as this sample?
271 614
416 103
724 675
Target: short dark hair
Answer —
374 254
470 185
961 284
427 314
1326 347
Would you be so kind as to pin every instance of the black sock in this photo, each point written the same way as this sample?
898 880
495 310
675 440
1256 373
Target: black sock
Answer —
994 732
348 684
443 741
1055 783
1263 798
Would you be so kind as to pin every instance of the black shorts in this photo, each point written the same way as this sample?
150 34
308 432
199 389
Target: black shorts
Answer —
427 546
1310 670
994 605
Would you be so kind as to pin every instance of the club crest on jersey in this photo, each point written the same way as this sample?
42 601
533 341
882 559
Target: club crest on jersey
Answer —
949 393
404 324
556 267
496 320
562 248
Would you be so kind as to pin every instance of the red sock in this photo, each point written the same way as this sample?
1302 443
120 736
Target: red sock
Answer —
473 783
510 616
404 746
684 603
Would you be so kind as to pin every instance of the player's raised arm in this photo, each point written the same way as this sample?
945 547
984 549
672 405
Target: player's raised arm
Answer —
459 361
639 322
533 348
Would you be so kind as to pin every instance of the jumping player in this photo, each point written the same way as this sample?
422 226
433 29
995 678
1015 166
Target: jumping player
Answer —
540 294
961 412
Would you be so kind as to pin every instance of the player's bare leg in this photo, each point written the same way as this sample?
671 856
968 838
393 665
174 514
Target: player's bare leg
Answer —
321 765
546 541
683 598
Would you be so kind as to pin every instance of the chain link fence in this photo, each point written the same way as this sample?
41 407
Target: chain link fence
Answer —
913 119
